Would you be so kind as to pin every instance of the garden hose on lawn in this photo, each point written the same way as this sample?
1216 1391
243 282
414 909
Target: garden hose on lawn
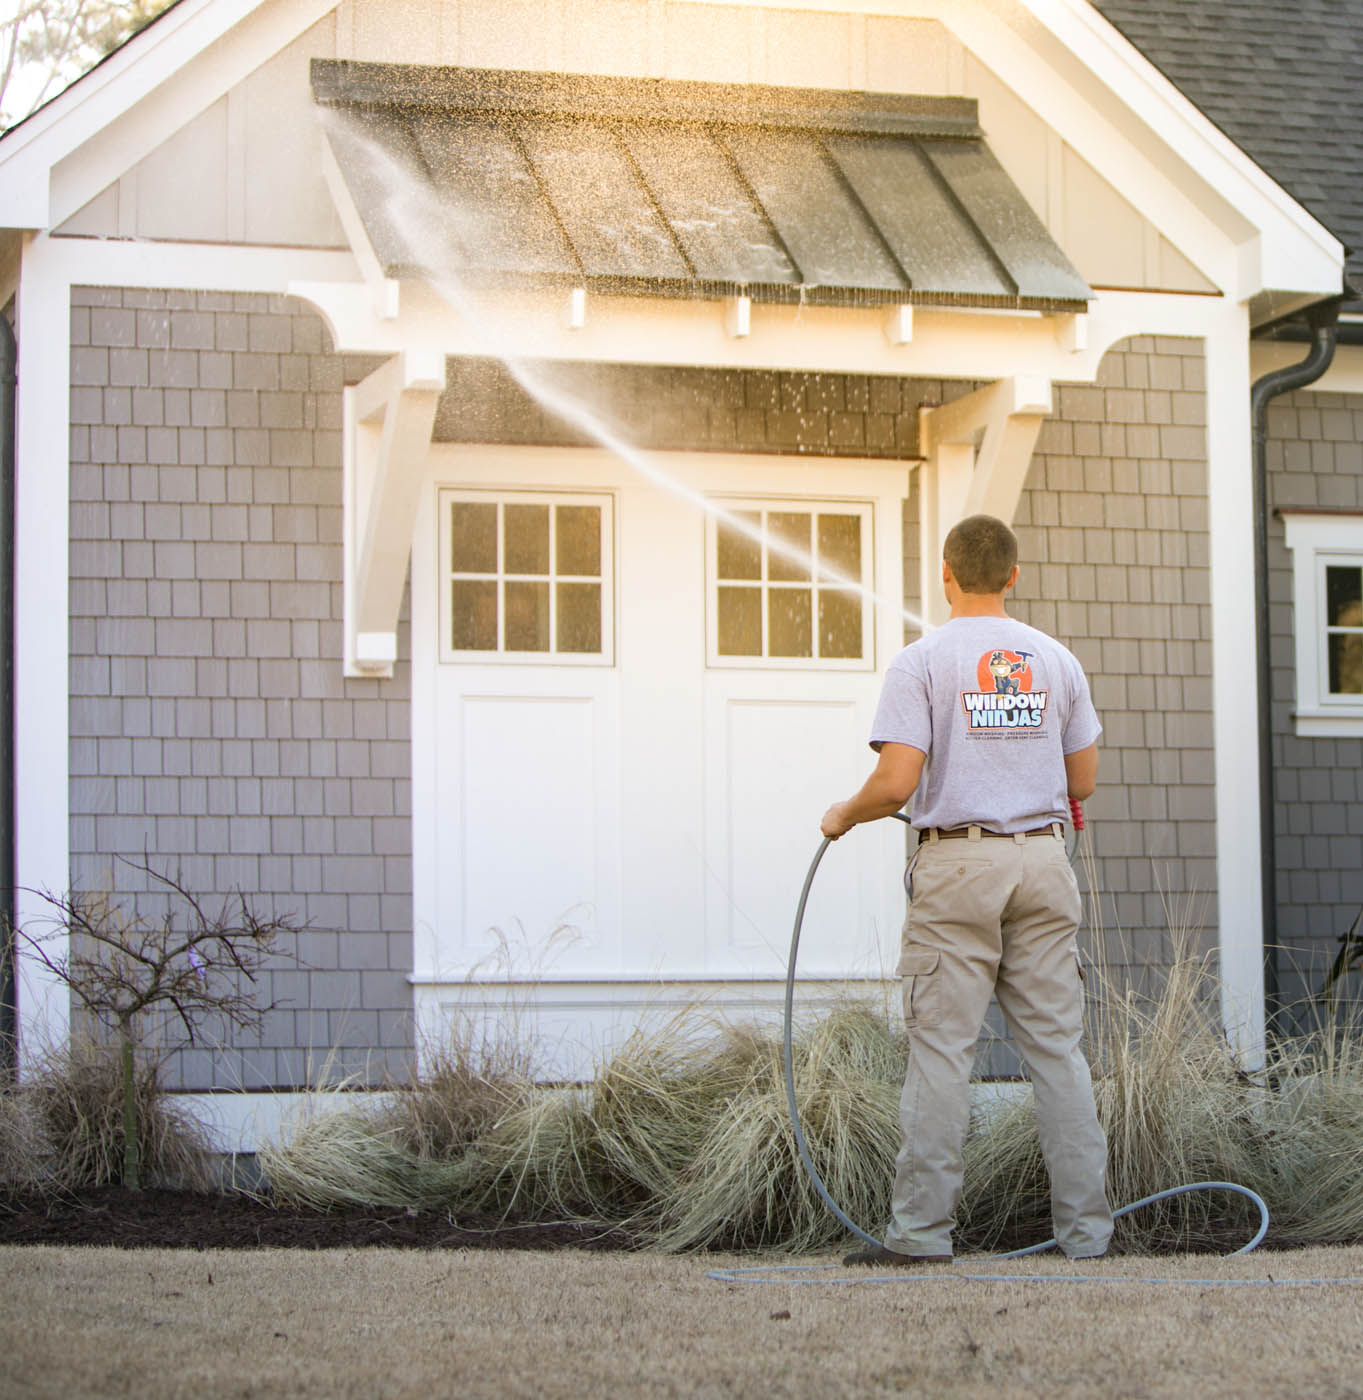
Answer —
804 1148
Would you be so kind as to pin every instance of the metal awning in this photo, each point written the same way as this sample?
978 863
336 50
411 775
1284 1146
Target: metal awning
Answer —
685 189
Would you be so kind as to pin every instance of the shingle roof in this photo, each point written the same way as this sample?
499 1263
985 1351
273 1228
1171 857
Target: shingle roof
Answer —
1283 80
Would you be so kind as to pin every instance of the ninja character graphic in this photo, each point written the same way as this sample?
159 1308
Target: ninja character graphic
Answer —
1005 672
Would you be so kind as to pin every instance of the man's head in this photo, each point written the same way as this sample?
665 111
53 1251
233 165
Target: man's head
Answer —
982 553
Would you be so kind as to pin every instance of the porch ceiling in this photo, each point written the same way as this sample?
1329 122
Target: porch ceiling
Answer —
684 189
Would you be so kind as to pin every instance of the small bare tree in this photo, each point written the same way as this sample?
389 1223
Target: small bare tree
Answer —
189 964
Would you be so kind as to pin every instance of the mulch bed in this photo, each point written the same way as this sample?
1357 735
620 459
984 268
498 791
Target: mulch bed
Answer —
166 1219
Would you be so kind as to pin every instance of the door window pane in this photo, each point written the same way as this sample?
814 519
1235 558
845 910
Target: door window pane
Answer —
790 529
473 537
840 544
839 623
527 615
739 554
740 622
788 622
473 615
578 530
527 540
579 617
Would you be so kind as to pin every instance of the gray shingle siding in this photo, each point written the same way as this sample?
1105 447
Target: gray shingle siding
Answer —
210 724
1315 458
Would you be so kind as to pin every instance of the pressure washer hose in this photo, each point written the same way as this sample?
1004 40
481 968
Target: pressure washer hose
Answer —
803 1147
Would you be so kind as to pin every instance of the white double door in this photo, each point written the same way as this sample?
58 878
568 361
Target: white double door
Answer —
647 813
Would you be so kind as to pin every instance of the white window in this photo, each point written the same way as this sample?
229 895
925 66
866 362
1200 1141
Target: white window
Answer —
527 576
784 583
1327 579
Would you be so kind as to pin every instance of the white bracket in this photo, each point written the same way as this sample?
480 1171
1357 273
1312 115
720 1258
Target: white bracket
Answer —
383 290
575 313
964 478
1073 333
388 422
738 316
899 325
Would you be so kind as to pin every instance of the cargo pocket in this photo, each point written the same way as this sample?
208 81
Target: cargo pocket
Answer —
922 994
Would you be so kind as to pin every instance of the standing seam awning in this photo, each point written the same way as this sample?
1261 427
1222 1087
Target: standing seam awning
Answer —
687 189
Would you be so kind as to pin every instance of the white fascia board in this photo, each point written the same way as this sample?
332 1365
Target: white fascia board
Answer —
107 121
1294 249
958 343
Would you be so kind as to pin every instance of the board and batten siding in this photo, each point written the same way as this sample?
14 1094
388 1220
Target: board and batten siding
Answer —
211 725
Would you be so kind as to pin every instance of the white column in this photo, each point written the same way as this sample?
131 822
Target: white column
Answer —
41 685
1234 703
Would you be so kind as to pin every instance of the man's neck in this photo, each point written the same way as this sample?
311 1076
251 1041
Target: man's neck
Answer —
978 605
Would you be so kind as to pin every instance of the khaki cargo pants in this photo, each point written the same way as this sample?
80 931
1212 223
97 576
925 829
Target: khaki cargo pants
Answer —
994 917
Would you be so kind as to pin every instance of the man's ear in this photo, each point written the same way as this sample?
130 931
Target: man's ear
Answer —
1013 578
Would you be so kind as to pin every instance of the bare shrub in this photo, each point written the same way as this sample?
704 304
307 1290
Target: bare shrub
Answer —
188 964
70 1117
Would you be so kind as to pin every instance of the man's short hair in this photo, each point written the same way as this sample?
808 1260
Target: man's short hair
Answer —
981 550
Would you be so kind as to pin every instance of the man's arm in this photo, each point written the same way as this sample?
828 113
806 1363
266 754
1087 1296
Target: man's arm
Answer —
1081 772
891 784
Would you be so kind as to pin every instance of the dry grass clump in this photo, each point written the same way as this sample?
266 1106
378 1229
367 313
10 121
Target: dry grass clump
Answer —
63 1127
684 1139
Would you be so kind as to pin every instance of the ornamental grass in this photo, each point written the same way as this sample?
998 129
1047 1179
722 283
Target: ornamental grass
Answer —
683 1137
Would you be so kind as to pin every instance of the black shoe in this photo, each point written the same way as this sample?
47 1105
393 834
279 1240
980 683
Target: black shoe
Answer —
880 1256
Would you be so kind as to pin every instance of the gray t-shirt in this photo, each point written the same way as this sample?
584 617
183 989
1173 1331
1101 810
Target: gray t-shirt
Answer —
995 705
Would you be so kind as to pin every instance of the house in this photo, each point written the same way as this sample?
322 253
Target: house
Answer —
402 387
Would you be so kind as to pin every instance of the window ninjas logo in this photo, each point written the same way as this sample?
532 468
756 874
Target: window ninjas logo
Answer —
1005 701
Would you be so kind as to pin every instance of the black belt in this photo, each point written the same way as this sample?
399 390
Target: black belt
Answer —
955 833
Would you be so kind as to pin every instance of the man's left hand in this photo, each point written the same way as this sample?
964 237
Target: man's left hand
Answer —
835 821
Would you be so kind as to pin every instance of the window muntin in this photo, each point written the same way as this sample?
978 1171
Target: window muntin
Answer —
527 577
778 575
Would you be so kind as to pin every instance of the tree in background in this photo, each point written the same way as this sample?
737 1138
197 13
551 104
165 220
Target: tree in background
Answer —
47 44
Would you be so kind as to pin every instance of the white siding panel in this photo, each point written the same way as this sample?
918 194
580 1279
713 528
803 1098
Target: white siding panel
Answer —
708 43
181 187
808 50
605 36
510 34
402 31
911 56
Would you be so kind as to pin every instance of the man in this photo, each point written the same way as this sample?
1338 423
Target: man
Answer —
993 902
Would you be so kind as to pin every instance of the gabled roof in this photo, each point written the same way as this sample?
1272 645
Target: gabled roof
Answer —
689 189
1283 80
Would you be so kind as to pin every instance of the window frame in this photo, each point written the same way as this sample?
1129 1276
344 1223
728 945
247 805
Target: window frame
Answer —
863 509
1318 540
604 500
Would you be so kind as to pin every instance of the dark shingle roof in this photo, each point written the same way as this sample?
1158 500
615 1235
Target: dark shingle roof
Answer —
1283 80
